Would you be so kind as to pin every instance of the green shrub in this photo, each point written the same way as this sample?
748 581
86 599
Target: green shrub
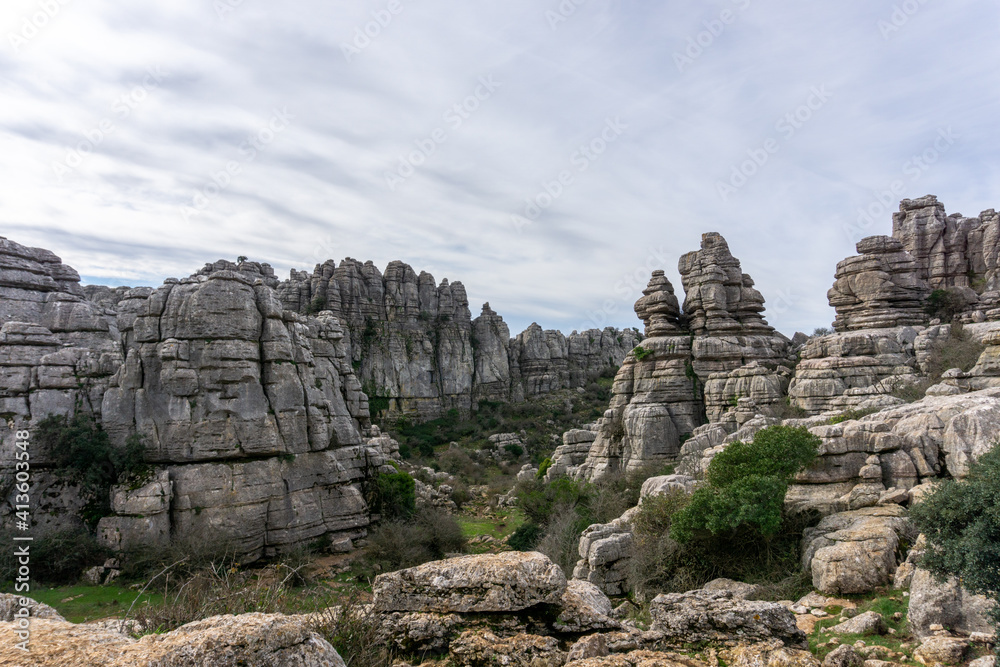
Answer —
746 483
543 468
317 304
538 500
58 558
561 538
661 564
515 450
525 537
641 353
392 495
944 304
82 453
961 520
429 535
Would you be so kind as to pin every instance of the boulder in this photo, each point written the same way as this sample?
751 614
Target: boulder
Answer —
482 648
856 551
504 582
717 616
945 603
740 590
11 603
843 656
642 659
584 608
267 640
768 654
868 623
941 650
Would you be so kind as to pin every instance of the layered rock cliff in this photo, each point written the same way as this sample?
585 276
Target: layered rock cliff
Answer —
418 351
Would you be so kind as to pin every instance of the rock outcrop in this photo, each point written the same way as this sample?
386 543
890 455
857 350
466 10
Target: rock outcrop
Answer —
655 396
267 640
506 582
719 617
880 288
947 604
418 351
856 551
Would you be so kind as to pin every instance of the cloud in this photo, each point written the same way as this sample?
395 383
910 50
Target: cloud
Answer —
158 177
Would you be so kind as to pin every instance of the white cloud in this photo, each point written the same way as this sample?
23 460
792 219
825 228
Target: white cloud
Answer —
317 188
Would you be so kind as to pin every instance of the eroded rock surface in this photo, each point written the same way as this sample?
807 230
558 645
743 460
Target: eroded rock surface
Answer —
717 616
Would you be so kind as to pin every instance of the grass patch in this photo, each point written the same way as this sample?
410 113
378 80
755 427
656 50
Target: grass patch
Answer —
90 603
886 605
497 527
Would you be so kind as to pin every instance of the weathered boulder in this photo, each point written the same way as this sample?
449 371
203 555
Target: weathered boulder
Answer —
843 656
941 651
504 582
945 603
717 616
868 623
11 603
642 659
739 589
768 654
268 640
482 648
584 608
856 551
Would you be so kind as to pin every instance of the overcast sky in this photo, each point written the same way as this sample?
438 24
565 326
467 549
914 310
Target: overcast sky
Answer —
549 155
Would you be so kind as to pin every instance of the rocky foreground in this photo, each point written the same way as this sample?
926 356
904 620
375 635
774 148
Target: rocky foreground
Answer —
513 609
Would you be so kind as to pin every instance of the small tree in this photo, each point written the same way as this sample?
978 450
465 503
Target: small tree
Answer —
961 520
746 484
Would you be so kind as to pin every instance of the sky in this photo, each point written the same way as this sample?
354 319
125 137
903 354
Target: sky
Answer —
549 154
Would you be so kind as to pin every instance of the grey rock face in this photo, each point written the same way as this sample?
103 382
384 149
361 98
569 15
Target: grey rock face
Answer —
418 350
879 288
855 551
841 371
717 616
945 603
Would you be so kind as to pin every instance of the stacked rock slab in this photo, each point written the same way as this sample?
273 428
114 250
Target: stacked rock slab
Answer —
654 398
879 288
953 251
418 351
253 411
854 369
58 352
723 312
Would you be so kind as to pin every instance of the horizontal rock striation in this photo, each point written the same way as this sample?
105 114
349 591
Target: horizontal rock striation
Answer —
418 351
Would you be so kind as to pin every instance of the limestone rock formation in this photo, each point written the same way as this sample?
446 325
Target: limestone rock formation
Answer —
418 351
855 551
506 582
723 311
267 640
482 648
232 392
717 616
947 604
879 288
654 396
842 371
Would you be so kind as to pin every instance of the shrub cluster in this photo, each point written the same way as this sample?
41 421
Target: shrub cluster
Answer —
746 483
429 534
82 452
961 520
